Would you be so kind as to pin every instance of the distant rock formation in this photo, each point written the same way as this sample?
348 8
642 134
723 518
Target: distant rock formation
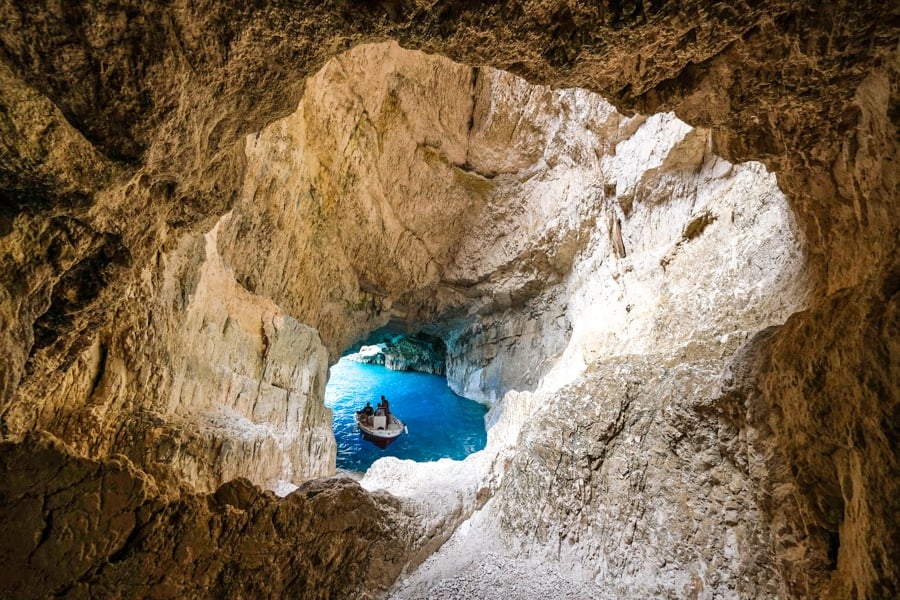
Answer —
369 355
416 353
425 354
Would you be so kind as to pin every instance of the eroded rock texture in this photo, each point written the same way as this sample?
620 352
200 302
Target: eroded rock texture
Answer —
75 527
137 317
207 378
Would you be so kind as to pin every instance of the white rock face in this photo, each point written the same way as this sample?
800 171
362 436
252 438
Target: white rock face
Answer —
630 212
248 382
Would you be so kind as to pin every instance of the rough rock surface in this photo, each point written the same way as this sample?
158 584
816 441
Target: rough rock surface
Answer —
372 354
470 566
669 476
116 161
228 386
79 527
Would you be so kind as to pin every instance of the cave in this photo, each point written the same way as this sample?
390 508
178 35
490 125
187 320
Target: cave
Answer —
659 242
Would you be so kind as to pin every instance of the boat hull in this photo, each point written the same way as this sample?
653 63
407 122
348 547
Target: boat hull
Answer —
381 442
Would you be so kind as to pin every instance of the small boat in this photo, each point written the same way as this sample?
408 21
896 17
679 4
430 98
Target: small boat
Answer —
380 429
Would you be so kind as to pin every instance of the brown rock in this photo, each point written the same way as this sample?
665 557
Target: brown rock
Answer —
80 527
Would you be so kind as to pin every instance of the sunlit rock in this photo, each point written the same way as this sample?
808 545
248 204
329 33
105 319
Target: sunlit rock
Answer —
370 355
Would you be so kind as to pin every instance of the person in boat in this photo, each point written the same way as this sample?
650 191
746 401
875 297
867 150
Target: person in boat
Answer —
383 406
365 415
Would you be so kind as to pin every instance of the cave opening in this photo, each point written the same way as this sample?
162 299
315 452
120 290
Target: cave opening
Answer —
590 274
539 233
409 370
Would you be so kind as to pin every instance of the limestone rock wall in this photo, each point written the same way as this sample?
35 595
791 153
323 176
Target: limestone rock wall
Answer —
363 189
246 387
492 219
635 477
637 413
576 276
643 206
410 354
838 483
222 383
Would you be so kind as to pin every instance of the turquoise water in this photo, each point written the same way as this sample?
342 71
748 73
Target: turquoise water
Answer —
441 424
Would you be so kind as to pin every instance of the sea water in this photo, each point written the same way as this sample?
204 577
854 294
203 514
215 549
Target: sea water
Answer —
441 424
